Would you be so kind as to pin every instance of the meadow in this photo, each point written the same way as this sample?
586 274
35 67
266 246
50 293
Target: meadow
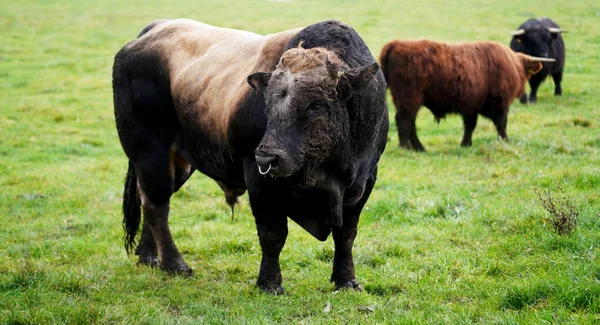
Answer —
449 236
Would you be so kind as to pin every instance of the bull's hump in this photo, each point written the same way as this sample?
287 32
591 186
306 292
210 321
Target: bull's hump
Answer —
209 67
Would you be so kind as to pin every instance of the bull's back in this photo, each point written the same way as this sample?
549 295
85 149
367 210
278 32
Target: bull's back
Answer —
451 77
206 68
441 74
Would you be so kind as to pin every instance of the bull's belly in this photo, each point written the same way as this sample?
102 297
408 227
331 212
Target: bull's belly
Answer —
211 159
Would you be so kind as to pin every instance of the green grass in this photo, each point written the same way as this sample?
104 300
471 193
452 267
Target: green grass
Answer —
450 236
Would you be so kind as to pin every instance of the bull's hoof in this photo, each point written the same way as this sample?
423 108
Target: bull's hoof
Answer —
178 269
352 284
533 100
151 261
274 289
405 146
523 99
466 144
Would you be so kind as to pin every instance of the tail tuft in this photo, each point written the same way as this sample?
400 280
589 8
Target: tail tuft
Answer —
132 213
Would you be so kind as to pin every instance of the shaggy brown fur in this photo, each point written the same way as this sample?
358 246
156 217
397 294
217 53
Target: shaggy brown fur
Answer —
299 59
465 78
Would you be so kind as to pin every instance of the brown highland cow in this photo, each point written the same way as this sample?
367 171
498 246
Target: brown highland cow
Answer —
464 78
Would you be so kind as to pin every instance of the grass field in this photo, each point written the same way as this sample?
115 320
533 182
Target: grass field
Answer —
450 236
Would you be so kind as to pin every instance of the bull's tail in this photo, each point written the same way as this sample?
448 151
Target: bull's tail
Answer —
383 59
132 213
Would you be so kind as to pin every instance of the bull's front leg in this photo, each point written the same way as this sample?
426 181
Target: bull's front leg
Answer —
500 122
268 208
343 263
272 235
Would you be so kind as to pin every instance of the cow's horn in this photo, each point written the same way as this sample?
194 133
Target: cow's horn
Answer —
554 30
518 32
536 59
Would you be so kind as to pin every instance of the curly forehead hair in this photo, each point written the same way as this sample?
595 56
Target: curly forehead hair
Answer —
300 59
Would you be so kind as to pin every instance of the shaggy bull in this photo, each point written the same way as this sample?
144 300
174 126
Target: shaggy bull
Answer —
541 38
465 78
297 118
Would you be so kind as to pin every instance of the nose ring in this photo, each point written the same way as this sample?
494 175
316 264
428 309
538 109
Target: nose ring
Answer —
266 172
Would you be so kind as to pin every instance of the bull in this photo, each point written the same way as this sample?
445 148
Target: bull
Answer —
470 79
541 38
297 118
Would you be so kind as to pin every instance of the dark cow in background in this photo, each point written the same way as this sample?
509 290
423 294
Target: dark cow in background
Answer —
465 78
297 118
541 38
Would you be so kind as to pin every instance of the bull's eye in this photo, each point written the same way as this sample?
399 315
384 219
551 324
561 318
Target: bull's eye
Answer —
518 40
316 109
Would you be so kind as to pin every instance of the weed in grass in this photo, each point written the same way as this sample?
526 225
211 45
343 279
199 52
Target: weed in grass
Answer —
582 122
563 214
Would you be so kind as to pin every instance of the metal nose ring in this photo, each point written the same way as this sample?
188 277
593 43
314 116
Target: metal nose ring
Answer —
266 172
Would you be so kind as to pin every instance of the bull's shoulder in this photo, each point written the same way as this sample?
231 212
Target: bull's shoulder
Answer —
211 78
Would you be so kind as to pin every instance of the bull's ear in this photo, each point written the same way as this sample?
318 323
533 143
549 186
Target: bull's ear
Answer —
362 77
356 79
259 80
531 66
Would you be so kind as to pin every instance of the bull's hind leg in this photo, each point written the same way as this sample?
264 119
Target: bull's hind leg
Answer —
147 250
156 183
470 122
407 129
147 129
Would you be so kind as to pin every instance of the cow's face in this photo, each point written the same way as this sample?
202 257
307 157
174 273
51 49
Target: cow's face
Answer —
534 41
307 118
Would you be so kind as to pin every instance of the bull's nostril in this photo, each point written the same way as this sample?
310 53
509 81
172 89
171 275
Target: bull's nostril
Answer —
265 163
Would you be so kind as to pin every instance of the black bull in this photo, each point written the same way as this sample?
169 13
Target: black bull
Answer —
541 38
316 122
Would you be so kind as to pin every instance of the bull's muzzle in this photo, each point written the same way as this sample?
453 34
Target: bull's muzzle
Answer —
266 162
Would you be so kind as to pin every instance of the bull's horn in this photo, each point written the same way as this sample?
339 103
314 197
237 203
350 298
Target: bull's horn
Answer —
536 59
555 30
518 32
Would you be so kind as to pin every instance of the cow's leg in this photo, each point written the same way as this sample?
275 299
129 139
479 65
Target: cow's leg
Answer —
470 122
343 263
500 121
535 82
407 130
557 77
271 225
147 249
523 98
156 183
272 235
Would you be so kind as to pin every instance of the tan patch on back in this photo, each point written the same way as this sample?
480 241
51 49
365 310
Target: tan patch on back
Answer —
208 67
